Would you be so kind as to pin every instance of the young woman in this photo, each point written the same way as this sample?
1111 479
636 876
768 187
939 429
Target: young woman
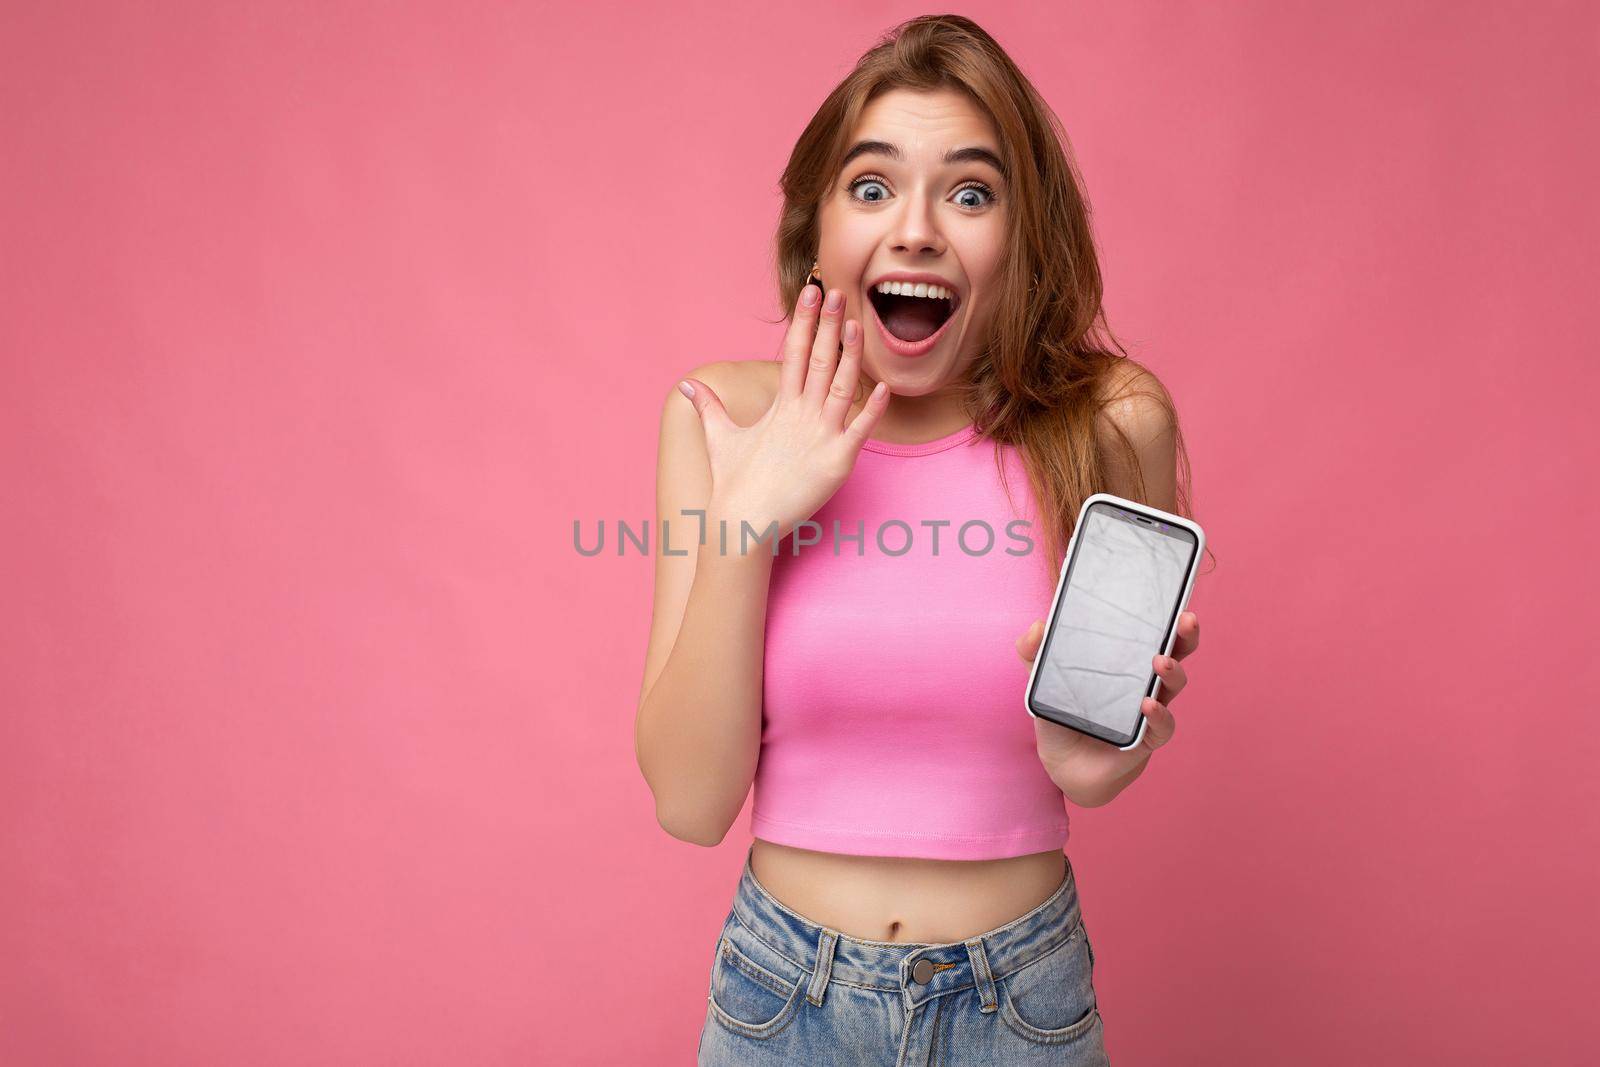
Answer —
906 898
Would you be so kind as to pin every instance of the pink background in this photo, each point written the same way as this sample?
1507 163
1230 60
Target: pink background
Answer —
322 323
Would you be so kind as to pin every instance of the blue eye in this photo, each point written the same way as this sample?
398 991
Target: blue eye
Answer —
866 181
978 187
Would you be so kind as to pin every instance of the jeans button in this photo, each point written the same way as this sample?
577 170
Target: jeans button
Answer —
922 971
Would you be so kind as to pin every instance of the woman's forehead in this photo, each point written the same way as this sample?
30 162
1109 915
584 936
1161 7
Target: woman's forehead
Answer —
922 108
924 123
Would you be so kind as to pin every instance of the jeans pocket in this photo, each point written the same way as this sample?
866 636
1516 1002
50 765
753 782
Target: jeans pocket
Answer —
1051 999
755 990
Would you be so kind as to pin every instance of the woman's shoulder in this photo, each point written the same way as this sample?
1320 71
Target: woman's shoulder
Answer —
1131 396
746 386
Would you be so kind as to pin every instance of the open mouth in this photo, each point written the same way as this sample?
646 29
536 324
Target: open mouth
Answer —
912 318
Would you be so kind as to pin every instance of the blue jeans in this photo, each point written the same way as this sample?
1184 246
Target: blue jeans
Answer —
787 990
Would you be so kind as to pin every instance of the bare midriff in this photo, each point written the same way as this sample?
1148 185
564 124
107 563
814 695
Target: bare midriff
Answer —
887 898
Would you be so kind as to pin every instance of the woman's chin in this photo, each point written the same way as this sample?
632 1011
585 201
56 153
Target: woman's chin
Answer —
907 377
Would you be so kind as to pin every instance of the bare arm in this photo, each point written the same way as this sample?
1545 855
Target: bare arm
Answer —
698 730
1132 404
1090 772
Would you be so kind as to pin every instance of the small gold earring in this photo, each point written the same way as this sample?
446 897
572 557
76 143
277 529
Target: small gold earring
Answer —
813 278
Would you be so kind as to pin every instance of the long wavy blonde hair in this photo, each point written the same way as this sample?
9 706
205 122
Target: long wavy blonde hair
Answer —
1050 366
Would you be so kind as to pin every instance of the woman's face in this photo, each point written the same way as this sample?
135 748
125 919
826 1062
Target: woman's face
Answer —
900 206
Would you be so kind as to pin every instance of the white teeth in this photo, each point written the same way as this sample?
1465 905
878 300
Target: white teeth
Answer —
936 292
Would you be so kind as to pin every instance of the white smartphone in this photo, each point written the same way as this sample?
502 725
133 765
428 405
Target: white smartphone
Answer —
1128 573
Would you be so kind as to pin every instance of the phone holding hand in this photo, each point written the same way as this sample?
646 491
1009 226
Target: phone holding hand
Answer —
1128 573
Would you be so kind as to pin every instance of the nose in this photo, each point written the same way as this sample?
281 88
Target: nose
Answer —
915 230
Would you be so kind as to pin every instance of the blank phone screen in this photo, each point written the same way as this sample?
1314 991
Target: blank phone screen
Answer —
1114 614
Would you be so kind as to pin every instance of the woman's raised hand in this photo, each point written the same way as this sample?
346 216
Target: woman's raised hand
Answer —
786 465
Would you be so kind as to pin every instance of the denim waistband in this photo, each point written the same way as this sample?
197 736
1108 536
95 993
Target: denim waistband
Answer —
893 965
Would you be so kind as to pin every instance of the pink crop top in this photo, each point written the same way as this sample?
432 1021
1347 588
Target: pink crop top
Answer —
893 720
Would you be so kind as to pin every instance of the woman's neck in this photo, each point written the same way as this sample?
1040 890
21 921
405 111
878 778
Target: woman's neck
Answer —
915 419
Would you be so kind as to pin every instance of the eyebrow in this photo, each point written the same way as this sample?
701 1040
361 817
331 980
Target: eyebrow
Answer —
970 154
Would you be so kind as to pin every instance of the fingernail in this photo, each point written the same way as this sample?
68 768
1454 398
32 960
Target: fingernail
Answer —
1167 662
808 296
686 389
850 331
835 301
